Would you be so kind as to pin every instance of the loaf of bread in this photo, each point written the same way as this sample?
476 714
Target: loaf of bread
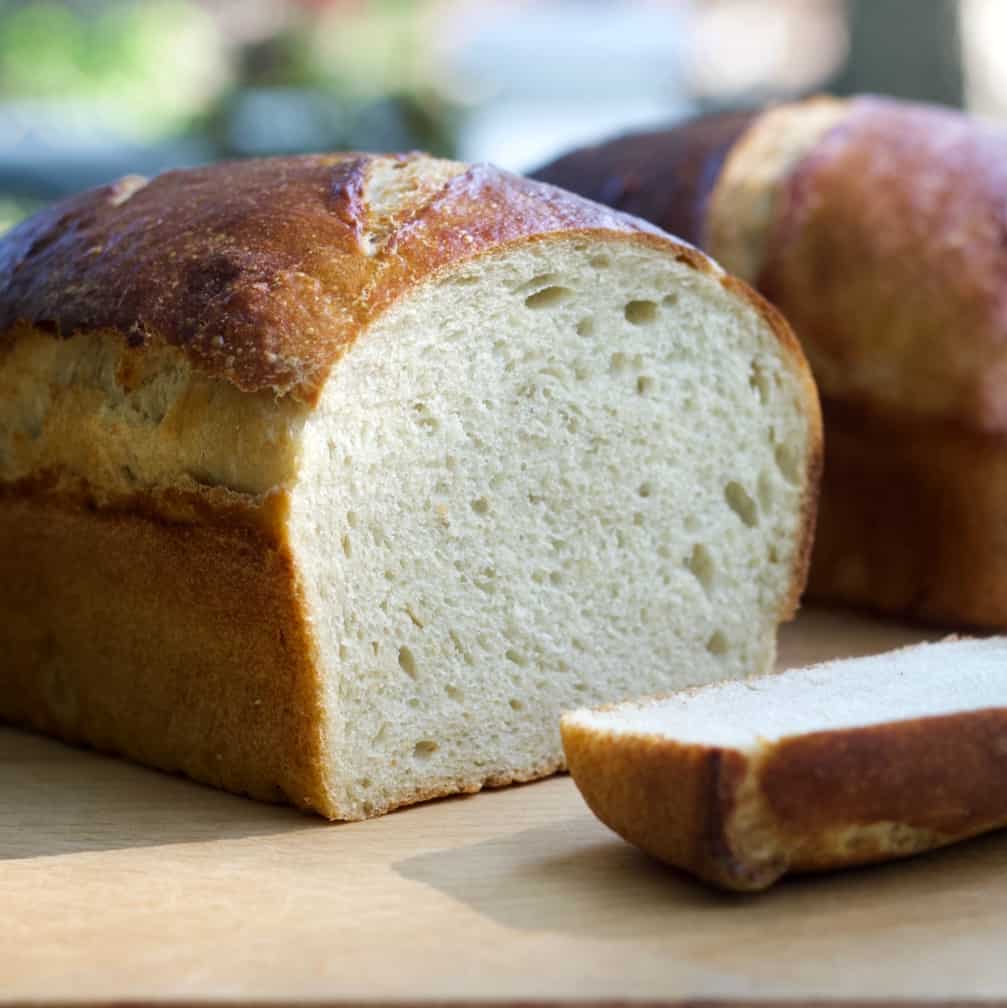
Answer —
845 763
336 479
877 227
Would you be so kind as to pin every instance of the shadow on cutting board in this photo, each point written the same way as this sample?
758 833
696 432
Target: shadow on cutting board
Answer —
569 878
55 799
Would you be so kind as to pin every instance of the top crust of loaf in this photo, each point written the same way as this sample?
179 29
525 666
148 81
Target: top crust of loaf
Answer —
263 272
887 255
744 201
666 177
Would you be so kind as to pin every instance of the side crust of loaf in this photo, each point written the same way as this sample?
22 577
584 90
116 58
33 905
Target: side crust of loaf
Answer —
809 803
180 642
912 519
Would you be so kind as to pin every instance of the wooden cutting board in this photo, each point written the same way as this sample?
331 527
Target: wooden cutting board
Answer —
122 883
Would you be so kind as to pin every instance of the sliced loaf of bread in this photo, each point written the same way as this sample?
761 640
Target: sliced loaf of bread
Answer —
837 764
336 479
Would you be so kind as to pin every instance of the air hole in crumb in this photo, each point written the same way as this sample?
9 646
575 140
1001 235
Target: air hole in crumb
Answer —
516 657
641 312
644 384
343 652
351 519
774 555
585 327
786 462
578 644
556 578
368 808
480 505
424 749
413 702
407 662
454 692
601 262
516 704
638 518
347 546
739 501
364 782
758 383
717 644
700 562
645 490
669 299
548 297
764 489
617 363
537 282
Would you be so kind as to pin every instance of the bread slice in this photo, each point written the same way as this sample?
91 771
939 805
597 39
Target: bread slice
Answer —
336 479
837 764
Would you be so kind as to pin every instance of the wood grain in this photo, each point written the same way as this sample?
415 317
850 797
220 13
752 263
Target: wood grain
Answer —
123 884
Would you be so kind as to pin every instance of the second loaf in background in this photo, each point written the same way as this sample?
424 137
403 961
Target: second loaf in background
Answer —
877 227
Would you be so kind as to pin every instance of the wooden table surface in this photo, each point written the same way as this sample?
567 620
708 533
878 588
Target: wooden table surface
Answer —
121 883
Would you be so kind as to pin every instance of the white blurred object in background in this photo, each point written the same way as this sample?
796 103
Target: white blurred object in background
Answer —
539 78
983 27
747 52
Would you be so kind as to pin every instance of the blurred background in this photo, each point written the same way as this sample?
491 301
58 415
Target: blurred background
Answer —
94 89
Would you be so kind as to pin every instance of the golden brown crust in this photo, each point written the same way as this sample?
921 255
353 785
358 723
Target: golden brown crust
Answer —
887 255
674 801
938 777
198 661
263 272
814 802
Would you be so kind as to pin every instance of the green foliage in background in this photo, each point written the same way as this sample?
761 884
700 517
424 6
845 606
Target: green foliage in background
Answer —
105 75
123 59
13 210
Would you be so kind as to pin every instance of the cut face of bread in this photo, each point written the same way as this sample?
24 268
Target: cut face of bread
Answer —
821 767
570 472
336 479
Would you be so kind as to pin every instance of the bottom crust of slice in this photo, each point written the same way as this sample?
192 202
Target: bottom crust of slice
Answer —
810 803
